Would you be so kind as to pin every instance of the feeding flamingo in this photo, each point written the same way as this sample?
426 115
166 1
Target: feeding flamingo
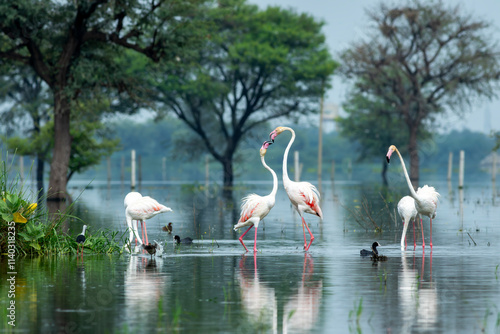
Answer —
141 208
254 207
426 197
407 211
303 195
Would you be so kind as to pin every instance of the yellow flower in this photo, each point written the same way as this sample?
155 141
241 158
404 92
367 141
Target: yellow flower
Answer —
18 218
30 209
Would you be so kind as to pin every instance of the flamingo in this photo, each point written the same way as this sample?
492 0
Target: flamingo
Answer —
254 207
303 195
80 239
426 197
407 211
141 208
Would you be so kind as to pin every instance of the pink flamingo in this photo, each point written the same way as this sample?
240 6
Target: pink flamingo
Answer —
141 208
254 207
407 211
303 195
426 198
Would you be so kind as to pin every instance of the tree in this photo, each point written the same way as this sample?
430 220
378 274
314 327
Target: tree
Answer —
422 58
73 46
256 66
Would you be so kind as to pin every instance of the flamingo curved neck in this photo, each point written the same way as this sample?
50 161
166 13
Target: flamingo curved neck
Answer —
275 177
285 155
412 191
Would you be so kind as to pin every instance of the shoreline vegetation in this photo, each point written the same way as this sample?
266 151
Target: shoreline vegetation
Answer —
26 229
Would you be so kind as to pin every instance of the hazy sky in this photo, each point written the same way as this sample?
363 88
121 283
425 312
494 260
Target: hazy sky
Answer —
347 21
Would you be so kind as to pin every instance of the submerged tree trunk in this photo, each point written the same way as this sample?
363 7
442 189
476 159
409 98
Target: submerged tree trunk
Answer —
384 172
228 177
40 165
62 148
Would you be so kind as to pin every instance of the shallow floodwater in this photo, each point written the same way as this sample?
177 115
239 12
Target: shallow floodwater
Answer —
213 286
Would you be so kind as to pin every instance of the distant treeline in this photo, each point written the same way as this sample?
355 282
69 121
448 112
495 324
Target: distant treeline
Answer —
154 141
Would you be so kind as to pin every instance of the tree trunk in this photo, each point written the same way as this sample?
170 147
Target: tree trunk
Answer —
62 148
39 176
227 166
414 159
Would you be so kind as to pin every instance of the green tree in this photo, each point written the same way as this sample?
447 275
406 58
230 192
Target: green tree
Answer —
422 58
75 46
257 65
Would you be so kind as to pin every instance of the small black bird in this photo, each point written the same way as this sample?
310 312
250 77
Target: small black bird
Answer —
80 239
151 249
167 228
185 241
373 252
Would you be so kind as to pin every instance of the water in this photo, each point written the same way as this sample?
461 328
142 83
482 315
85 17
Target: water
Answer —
214 287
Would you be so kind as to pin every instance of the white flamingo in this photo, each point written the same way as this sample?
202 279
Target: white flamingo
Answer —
141 208
426 198
254 207
407 211
303 195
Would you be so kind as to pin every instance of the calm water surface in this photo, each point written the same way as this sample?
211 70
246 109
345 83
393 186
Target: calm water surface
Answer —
214 287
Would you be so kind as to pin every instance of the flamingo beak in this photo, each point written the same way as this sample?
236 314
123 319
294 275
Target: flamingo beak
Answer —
388 156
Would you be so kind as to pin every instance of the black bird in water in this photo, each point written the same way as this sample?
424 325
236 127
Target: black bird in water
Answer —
167 228
80 239
374 250
185 241
151 249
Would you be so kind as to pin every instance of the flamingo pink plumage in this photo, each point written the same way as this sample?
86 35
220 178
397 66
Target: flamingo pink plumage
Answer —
426 197
254 207
303 195
141 208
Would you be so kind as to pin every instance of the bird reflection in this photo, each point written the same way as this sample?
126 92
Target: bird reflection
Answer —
258 300
301 309
144 287
417 295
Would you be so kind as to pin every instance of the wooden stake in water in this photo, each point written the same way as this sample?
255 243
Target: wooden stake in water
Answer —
450 165
296 166
132 169
494 166
461 168
21 168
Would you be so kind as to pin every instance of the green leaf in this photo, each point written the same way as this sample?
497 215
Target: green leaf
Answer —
25 236
7 216
35 245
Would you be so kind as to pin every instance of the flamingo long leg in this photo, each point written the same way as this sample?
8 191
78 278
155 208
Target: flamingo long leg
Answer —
304 230
431 233
145 232
241 238
414 240
422 228
255 242
308 230
142 231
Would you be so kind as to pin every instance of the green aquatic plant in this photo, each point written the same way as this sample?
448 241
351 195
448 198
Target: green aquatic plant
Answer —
357 311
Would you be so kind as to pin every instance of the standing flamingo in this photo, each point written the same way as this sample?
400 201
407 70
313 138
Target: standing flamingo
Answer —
254 207
426 198
407 211
141 208
303 195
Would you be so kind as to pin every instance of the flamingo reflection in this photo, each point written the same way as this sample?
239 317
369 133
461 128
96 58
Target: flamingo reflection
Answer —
418 296
300 312
302 309
144 288
258 300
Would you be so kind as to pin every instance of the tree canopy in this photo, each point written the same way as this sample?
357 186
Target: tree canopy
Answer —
422 58
256 66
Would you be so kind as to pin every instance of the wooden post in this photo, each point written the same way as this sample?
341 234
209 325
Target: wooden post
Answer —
296 165
21 168
461 168
320 141
109 170
494 167
132 169
450 165
164 169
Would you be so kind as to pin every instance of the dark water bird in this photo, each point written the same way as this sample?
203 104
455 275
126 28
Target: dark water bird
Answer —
80 239
167 228
151 249
373 252
185 241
